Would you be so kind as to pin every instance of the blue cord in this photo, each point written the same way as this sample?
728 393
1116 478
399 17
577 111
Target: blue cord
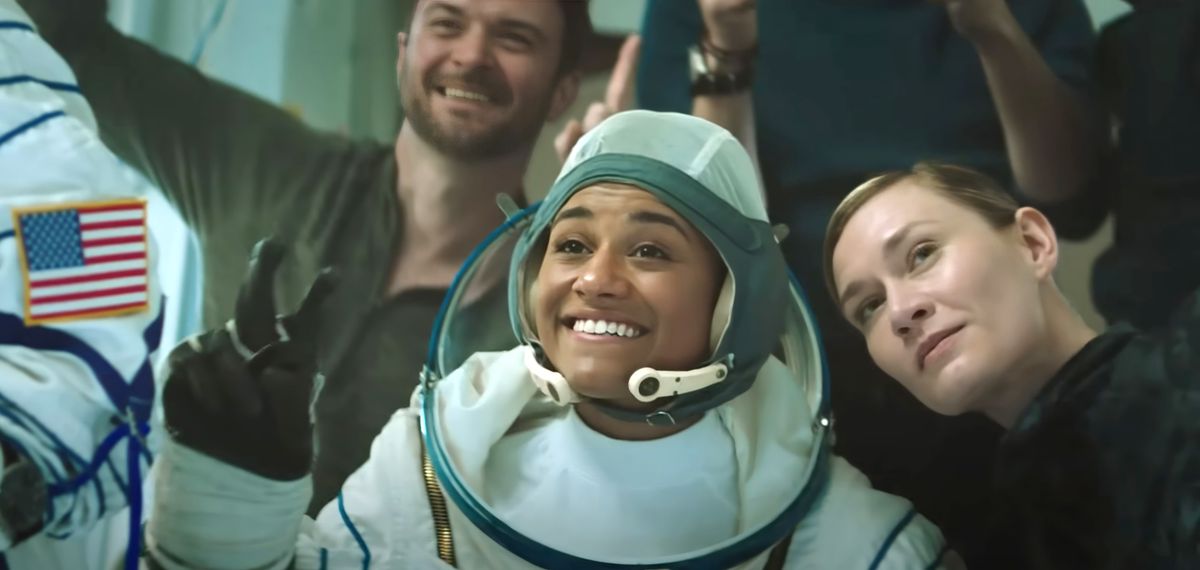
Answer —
8 25
202 42
133 456
358 537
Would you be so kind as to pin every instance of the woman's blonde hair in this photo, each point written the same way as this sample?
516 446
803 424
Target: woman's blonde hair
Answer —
967 187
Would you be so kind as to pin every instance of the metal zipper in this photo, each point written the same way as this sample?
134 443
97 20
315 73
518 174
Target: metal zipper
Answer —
441 516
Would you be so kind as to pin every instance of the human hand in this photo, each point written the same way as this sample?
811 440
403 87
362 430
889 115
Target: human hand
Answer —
730 25
241 393
618 96
977 20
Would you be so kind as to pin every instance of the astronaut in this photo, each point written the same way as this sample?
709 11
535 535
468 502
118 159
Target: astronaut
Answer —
80 318
641 422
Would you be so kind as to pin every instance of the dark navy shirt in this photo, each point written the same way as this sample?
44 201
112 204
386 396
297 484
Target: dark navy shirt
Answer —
846 87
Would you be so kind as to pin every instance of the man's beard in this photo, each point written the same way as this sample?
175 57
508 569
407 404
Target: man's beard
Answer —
517 132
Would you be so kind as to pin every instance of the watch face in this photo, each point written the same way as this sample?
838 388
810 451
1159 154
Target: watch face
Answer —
22 499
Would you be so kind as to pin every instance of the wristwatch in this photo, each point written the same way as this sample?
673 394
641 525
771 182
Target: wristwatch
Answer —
707 81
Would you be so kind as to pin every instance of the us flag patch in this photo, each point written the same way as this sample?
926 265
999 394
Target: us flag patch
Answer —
83 260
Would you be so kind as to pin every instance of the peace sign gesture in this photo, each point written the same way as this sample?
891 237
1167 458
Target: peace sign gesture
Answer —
260 331
241 393
618 96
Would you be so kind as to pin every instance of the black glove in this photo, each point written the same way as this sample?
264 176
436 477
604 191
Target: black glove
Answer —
67 24
242 393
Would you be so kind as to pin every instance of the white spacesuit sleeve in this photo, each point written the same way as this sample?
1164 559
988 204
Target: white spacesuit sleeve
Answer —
208 514
855 526
80 311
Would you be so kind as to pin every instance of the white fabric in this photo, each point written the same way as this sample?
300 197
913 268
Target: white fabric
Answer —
202 489
56 406
490 396
579 491
712 156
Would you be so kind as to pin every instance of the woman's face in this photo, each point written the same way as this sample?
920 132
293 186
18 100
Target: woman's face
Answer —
948 304
625 282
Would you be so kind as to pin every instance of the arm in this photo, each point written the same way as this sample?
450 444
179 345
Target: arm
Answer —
732 27
234 476
259 522
1049 130
855 526
662 72
731 42
206 144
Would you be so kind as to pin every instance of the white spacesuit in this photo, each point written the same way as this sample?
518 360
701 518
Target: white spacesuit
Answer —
80 317
491 467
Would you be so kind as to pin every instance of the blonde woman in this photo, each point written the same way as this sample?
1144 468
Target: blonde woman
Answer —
952 285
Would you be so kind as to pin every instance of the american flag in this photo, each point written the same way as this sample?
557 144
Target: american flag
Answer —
84 260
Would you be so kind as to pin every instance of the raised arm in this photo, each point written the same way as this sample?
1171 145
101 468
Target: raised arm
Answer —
1050 129
206 144
237 403
664 71
728 45
731 32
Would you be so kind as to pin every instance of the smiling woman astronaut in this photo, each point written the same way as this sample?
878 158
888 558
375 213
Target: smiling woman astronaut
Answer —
642 421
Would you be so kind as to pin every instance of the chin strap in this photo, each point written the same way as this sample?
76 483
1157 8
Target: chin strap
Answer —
646 385
551 383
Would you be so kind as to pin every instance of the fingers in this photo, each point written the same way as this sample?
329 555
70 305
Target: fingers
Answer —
566 139
302 326
596 113
570 135
186 371
226 373
619 94
214 375
196 378
255 309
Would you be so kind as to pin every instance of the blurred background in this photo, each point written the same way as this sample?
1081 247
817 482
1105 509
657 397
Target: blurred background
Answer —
332 63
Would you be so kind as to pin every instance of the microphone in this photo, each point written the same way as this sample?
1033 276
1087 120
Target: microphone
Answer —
648 384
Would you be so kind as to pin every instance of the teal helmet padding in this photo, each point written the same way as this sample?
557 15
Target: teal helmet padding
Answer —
703 173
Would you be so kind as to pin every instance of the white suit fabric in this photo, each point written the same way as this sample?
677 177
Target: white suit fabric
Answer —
66 384
211 515
383 513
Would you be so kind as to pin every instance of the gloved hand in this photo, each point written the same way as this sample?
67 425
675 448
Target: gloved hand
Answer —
66 24
241 394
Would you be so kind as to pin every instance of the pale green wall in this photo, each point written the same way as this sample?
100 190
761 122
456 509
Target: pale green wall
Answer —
1104 11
